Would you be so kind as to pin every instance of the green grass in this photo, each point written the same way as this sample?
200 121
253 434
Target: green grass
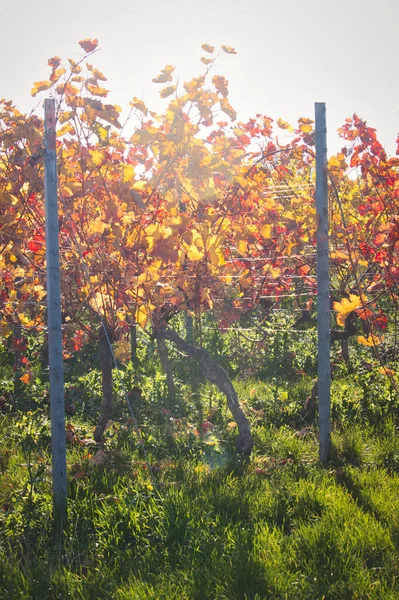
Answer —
210 527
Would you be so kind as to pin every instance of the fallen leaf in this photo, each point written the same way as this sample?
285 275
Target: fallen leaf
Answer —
99 459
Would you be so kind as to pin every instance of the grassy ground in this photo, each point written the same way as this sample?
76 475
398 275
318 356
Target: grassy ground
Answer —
206 526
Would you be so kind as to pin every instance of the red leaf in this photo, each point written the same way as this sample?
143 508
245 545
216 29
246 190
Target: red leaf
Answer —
33 246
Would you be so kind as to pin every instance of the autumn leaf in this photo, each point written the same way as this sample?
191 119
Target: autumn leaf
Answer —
305 128
96 90
208 48
26 378
372 340
228 109
265 231
54 62
139 104
122 350
165 75
97 157
40 86
229 50
55 75
221 84
88 44
142 316
99 458
284 125
167 91
346 306
387 371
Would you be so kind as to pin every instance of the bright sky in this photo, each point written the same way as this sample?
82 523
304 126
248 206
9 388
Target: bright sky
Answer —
291 53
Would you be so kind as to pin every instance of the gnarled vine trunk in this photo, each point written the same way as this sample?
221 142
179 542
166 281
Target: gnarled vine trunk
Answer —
167 368
217 375
106 383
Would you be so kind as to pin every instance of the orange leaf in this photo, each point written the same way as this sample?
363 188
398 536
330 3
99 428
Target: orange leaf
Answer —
88 44
386 371
380 239
221 84
165 75
229 50
208 48
26 378
97 90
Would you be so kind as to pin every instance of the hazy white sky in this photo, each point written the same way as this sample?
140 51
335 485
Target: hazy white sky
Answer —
291 53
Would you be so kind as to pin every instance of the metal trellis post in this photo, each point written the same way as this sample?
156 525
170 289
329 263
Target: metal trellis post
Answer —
57 409
323 284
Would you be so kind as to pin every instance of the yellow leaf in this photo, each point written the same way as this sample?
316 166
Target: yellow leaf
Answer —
128 173
165 75
102 302
67 128
97 157
140 185
208 48
102 133
228 109
142 316
266 231
139 104
40 86
242 247
55 75
122 350
372 340
346 306
96 227
40 292
334 162
25 320
221 84
194 253
284 125
167 91
306 128
229 50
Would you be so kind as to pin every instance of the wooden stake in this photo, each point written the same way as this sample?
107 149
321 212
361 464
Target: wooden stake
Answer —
323 284
57 409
